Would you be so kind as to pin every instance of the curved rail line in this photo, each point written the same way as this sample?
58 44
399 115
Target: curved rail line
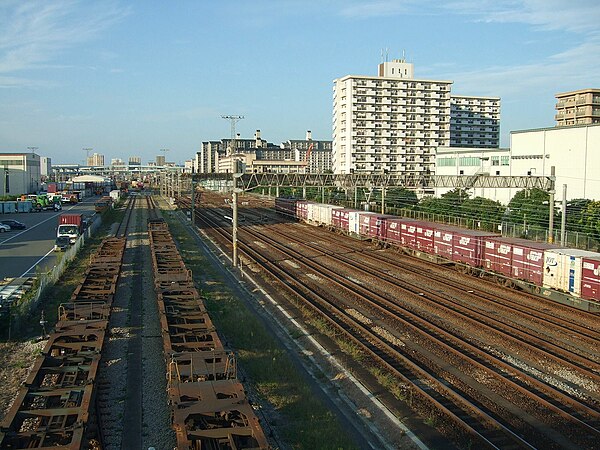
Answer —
209 407
55 406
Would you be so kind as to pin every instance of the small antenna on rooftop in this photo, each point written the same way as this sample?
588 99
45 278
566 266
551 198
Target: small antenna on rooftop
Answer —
403 56
386 54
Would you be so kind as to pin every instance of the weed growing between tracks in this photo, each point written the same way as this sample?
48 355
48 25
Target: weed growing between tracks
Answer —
299 415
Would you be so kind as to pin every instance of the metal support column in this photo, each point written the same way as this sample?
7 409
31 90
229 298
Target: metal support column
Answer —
234 227
551 218
563 219
193 198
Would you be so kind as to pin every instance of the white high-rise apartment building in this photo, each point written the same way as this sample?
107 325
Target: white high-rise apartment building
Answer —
389 123
394 122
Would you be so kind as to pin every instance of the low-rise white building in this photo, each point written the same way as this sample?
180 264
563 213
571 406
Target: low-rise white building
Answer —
574 151
471 162
20 173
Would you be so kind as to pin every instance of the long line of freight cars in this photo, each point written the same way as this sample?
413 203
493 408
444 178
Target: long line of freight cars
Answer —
567 275
208 403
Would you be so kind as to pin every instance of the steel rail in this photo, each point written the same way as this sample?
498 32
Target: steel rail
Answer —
513 333
476 417
370 294
355 288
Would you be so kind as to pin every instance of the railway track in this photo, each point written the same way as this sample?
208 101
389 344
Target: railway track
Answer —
209 407
55 407
481 420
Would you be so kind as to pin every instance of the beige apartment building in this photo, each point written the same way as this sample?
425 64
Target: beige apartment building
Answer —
96 160
580 107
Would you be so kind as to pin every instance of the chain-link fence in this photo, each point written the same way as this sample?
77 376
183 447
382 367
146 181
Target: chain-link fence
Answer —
26 307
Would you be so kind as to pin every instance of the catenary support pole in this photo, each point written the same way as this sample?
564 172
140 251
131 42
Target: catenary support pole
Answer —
563 219
551 218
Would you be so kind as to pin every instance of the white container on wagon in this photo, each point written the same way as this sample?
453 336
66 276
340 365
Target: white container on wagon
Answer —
320 213
354 221
115 195
563 267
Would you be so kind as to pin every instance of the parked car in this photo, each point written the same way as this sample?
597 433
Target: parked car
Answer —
14 224
4 228
62 243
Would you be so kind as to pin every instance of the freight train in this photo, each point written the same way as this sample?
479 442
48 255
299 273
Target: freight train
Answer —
567 275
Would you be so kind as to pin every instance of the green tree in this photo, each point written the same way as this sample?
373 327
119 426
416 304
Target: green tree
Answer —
401 198
590 219
448 203
484 210
529 206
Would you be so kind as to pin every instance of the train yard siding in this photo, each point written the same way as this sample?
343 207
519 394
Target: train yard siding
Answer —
208 402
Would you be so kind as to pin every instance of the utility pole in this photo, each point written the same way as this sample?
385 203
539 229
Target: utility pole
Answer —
193 200
164 151
563 219
233 120
237 174
551 218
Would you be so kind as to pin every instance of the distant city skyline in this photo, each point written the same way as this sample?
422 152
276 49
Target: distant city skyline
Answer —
132 78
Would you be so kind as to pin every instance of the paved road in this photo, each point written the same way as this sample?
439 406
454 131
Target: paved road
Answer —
21 251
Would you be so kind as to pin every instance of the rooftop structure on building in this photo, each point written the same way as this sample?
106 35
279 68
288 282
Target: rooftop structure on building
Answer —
580 107
394 122
135 161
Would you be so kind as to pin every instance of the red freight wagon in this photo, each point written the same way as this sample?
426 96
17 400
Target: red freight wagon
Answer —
286 206
377 224
459 244
393 229
590 278
516 258
364 222
424 236
469 246
340 218
302 209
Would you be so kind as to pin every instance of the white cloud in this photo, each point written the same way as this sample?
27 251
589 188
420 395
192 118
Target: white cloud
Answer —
568 70
581 16
33 33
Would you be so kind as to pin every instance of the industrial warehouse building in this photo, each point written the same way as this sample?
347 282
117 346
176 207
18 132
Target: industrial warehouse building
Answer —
21 173
574 151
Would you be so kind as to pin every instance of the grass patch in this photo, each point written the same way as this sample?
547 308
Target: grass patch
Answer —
304 421
389 382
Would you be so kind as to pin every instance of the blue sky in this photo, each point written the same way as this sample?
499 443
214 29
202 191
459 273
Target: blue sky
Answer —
131 78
